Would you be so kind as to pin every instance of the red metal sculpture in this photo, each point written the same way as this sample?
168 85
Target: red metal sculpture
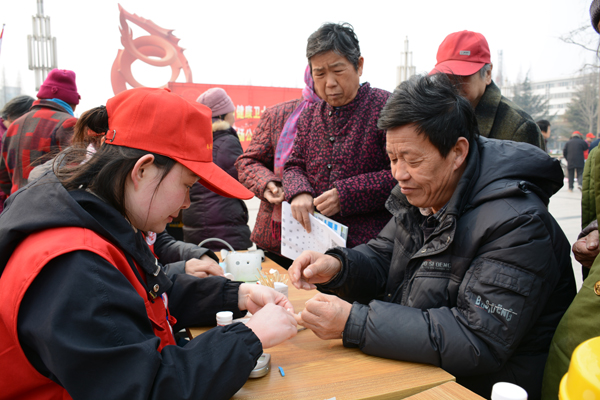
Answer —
161 43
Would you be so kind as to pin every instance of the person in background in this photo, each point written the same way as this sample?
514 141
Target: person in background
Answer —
211 215
338 164
38 135
589 138
472 273
12 110
573 151
260 168
85 310
595 142
581 321
465 57
545 128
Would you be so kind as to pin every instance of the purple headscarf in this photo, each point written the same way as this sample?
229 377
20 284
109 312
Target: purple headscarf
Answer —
286 139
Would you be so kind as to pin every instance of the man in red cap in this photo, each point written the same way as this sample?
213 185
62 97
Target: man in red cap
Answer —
46 129
465 57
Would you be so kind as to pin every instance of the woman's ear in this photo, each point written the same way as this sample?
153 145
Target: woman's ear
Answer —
140 170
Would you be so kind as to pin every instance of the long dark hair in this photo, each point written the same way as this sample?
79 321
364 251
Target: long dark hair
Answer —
106 172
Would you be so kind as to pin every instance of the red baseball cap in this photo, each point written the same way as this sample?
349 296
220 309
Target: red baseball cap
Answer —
590 136
161 122
462 53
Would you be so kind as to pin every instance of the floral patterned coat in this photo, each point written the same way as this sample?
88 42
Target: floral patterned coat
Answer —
342 148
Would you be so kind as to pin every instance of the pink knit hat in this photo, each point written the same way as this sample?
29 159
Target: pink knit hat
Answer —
217 100
60 84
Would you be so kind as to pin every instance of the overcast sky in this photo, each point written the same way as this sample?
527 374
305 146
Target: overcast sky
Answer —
256 42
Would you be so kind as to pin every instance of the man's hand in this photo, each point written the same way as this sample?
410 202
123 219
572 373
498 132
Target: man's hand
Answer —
328 203
274 193
203 267
586 249
312 267
302 205
255 297
272 325
326 316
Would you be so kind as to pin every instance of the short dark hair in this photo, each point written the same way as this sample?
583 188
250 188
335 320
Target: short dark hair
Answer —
339 38
543 124
435 107
16 107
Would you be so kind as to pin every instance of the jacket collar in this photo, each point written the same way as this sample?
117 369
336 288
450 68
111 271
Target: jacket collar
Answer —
487 107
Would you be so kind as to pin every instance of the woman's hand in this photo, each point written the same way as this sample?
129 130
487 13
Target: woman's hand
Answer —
273 325
274 193
254 297
302 206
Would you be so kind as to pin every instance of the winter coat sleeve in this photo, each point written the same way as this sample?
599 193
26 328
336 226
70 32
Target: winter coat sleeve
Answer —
62 135
371 189
295 178
228 150
93 336
173 253
5 180
255 165
497 303
588 198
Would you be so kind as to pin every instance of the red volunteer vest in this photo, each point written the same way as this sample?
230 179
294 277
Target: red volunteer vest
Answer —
19 379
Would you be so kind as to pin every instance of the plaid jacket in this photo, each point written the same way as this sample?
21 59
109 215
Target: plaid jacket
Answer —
31 140
500 118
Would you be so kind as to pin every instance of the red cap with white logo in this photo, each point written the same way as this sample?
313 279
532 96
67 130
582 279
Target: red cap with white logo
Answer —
462 53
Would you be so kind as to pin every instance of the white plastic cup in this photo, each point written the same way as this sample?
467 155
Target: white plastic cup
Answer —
508 391
224 318
281 288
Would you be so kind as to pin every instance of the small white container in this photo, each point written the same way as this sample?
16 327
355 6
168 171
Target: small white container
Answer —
281 288
224 318
508 391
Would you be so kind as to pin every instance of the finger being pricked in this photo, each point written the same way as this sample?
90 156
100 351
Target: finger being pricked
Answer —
326 315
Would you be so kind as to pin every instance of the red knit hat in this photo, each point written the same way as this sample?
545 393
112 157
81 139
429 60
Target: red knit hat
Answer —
60 84
462 53
164 123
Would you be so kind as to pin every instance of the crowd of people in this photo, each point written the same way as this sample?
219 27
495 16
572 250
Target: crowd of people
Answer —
452 257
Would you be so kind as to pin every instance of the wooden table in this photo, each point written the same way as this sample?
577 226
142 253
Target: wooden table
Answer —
447 391
318 369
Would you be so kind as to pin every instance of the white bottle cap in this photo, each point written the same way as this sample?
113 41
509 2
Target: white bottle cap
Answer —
508 391
224 318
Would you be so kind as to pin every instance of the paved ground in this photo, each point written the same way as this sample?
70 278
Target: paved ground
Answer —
565 206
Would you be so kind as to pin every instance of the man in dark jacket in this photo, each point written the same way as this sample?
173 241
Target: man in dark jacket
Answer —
472 273
465 57
46 129
573 153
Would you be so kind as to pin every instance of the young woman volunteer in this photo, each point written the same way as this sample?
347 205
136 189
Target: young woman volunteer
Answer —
85 310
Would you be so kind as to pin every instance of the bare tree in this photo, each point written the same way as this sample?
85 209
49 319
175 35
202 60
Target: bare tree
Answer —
582 111
585 38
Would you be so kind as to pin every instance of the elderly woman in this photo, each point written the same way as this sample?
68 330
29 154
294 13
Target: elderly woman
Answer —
339 164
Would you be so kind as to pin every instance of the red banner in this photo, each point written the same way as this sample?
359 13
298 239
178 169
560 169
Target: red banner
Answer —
250 102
